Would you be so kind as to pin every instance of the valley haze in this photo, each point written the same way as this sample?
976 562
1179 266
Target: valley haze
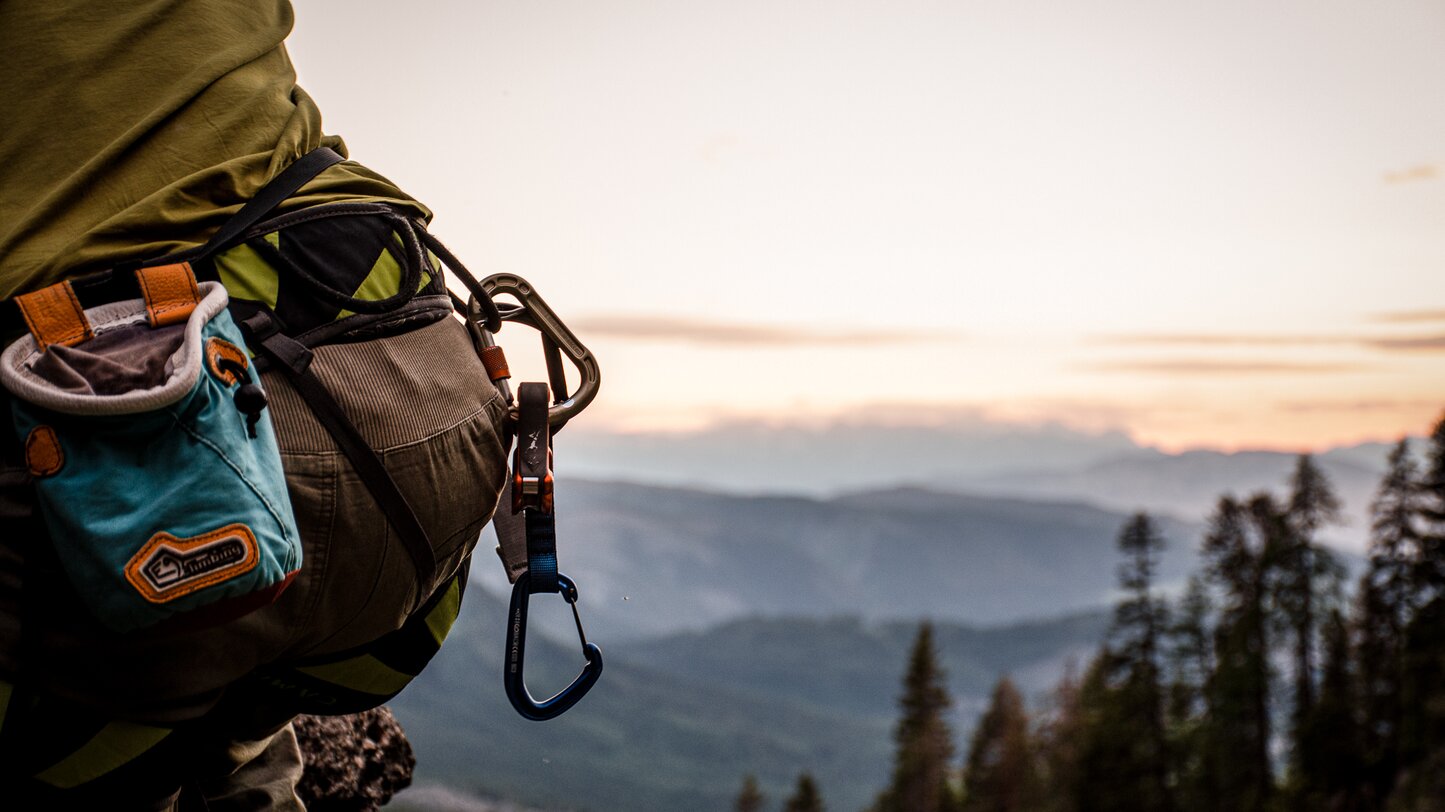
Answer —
1049 462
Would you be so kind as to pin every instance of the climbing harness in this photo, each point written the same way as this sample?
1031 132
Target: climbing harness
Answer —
290 292
528 547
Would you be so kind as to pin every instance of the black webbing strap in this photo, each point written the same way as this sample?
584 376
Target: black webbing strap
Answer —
293 359
291 179
533 465
511 530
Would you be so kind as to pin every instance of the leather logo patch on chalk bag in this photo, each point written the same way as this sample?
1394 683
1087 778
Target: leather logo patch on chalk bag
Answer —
218 350
43 454
168 567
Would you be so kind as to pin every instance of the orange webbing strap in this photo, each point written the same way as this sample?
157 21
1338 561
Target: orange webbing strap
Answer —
170 292
54 316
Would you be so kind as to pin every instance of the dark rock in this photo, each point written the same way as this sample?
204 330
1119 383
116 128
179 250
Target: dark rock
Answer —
353 763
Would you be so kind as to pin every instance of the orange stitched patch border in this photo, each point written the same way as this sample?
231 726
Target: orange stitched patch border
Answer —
218 348
43 454
167 567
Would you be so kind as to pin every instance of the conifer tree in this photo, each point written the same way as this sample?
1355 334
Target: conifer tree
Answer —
1308 578
1139 622
1329 771
1431 578
1001 774
1422 690
750 798
1240 551
1191 662
925 743
1384 604
1057 744
1396 545
1307 571
1108 775
805 797
1124 752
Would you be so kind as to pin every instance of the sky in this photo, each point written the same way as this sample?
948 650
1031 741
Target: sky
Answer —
1204 224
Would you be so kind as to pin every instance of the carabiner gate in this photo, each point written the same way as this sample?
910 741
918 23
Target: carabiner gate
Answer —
512 677
534 312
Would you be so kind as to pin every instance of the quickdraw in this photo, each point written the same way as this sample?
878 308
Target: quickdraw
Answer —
528 547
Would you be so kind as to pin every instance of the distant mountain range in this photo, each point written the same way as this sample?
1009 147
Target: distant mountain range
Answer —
761 634
1189 485
831 457
967 455
651 561
758 634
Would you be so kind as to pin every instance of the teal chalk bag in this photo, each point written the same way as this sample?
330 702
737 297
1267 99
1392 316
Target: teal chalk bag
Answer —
154 459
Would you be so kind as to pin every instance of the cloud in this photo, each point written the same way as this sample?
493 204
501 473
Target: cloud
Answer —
1408 316
1355 406
1416 343
1412 343
1411 174
701 331
1218 339
1201 366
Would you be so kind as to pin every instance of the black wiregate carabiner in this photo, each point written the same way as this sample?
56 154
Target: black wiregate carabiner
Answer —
512 677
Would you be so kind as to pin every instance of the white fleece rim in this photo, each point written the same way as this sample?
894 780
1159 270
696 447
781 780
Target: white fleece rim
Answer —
184 364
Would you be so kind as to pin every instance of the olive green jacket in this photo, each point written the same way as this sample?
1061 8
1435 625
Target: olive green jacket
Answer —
134 128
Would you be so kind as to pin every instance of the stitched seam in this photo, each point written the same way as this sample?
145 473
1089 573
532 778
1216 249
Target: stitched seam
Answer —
408 444
145 290
63 339
285 531
301 628
158 312
435 434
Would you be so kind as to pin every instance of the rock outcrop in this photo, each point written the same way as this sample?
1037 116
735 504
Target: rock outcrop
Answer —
353 763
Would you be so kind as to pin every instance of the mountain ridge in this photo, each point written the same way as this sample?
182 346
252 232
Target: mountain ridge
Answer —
651 560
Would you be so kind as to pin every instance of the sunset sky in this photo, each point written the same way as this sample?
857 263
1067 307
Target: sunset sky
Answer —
1212 224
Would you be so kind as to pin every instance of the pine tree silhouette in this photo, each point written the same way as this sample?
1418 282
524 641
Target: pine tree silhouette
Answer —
1241 551
925 743
750 798
805 797
1308 580
1384 604
1124 750
1002 773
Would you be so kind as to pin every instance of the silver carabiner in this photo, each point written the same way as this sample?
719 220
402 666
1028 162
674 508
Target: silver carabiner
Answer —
535 313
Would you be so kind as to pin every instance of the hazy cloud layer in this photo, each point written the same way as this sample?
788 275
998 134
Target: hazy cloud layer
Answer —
701 331
1414 343
1414 173
1409 316
1218 340
1369 406
1384 343
854 451
1204 366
